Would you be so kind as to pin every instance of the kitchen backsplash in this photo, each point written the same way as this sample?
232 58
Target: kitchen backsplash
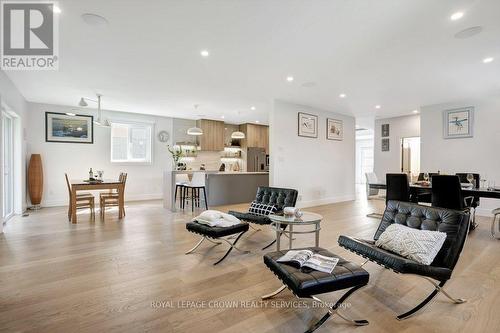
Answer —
211 159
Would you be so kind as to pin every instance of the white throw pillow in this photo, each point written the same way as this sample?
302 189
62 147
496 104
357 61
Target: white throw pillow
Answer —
419 245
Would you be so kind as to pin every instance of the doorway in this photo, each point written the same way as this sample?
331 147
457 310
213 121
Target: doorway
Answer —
7 165
410 155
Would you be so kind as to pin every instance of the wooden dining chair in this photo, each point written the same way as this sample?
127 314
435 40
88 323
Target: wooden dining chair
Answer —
83 200
112 198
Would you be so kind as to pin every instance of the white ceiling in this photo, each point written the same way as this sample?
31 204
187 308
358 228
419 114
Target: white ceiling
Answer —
400 54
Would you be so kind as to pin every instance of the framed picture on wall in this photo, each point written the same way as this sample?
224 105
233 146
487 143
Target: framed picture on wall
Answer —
60 127
385 144
385 130
334 129
308 125
458 123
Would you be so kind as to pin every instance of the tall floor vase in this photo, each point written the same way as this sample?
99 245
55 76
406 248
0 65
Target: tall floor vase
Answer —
35 180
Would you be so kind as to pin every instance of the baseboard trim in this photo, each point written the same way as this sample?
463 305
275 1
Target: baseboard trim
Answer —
140 197
325 201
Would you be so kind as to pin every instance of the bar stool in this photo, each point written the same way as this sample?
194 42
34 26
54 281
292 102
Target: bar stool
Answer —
197 183
180 180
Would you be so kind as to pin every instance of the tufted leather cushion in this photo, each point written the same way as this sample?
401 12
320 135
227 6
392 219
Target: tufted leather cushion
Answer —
216 232
258 219
454 223
345 275
279 197
397 263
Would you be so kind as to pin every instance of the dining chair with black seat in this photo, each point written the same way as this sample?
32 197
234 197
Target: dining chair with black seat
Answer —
83 201
447 193
398 187
464 179
424 196
112 198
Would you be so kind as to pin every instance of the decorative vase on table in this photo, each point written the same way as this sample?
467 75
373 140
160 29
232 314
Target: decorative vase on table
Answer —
35 180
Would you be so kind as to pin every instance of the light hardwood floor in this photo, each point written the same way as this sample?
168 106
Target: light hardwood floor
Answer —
104 277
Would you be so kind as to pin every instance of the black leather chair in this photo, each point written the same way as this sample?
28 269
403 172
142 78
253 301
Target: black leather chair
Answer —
280 197
453 222
447 193
398 187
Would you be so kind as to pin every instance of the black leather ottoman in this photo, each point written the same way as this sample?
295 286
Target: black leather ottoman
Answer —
307 283
213 234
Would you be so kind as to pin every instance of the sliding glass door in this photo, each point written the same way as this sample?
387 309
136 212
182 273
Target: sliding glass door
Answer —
7 166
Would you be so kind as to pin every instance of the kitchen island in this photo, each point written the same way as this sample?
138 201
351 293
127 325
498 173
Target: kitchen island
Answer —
223 188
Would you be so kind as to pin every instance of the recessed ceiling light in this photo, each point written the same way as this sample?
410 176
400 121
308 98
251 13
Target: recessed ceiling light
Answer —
289 78
94 19
488 60
257 121
70 114
205 53
377 106
253 108
56 10
342 95
222 117
415 111
456 16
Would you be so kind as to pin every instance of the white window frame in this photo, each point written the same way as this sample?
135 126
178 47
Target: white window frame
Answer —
130 161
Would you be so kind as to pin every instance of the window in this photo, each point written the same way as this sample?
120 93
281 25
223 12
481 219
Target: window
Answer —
131 142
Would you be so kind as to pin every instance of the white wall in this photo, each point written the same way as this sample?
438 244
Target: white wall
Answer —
12 98
143 181
476 154
399 127
321 170
360 145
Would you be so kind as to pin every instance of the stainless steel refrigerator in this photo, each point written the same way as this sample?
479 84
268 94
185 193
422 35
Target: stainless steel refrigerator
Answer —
256 160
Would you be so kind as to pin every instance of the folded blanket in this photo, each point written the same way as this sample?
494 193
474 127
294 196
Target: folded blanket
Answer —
214 218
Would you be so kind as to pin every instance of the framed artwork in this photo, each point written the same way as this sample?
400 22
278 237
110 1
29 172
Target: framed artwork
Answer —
385 144
60 127
385 130
308 125
458 123
334 129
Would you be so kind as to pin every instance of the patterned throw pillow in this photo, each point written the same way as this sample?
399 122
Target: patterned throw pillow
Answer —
262 209
419 245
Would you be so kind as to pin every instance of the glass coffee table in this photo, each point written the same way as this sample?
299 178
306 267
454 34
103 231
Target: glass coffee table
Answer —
280 223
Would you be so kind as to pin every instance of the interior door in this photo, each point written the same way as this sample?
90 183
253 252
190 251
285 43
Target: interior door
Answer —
7 166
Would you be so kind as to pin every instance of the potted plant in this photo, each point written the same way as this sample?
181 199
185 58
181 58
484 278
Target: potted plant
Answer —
176 153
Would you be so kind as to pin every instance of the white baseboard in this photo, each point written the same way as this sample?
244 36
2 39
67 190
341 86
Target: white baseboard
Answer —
128 197
325 201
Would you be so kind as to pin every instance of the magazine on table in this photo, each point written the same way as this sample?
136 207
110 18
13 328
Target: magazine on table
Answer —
309 259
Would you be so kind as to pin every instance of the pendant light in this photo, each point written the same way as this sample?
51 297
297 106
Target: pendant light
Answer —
237 135
196 131
99 121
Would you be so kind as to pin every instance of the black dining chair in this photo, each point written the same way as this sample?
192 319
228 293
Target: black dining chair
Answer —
398 187
447 193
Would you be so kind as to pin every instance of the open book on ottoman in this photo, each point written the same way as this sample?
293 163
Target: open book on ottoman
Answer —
307 258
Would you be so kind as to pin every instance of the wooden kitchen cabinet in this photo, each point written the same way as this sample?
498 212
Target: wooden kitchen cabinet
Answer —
213 135
255 136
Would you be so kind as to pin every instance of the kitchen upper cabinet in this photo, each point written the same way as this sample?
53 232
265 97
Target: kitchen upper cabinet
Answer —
213 135
255 136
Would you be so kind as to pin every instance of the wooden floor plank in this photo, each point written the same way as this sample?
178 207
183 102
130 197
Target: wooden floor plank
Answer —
105 275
